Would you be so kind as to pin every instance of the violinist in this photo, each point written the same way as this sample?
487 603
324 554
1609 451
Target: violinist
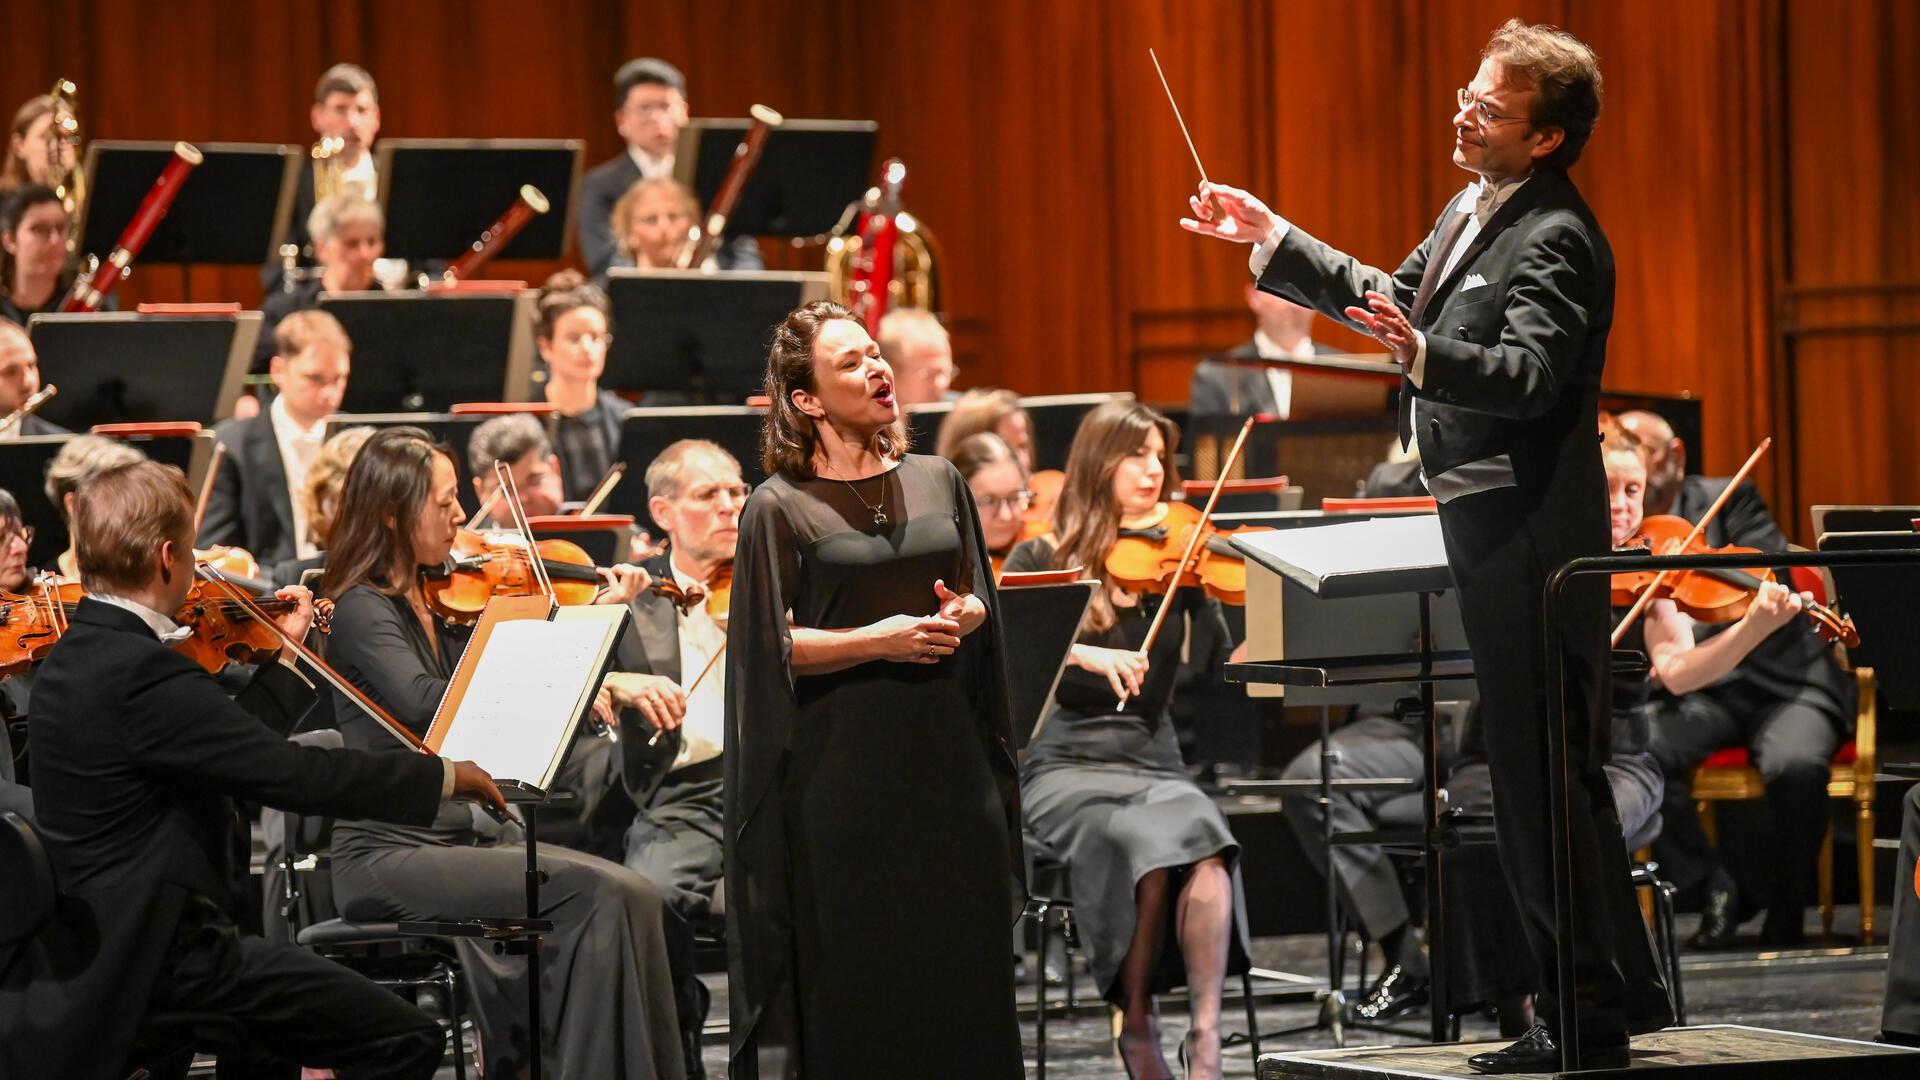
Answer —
571 331
16 537
1788 703
999 486
521 441
139 756
20 380
611 1012
867 760
253 504
78 461
988 409
1156 885
672 690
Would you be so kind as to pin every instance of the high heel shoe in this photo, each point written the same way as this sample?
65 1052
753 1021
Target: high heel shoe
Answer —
1120 1048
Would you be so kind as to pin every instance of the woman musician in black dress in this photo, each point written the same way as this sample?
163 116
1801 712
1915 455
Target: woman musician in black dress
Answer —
871 807
1150 857
608 1002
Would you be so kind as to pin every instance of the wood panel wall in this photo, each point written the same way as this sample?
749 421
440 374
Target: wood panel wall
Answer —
1753 166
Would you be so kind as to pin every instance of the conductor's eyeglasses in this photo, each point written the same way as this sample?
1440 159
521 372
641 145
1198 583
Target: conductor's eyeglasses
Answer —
1482 115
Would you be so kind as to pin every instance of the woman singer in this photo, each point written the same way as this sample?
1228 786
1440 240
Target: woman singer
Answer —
870 794
1151 858
608 1009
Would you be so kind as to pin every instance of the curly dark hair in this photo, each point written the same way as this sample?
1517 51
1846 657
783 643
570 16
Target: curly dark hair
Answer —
787 439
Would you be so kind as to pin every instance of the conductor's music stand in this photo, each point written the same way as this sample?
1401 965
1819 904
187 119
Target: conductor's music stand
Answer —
425 351
120 367
701 334
231 210
809 172
441 194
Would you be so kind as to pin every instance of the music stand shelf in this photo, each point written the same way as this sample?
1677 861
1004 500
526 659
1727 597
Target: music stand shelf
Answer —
1448 665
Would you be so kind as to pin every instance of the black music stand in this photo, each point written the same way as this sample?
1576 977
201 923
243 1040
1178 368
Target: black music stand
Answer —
1040 622
441 194
1055 418
23 473
809 172
231 210
699 334
123 368
647 431
448 428
427 351
1856 519
1881 601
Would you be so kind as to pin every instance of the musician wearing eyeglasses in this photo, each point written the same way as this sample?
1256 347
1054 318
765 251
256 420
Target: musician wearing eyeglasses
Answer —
999 486
20 380
649 110
349 236
345 117
1499 321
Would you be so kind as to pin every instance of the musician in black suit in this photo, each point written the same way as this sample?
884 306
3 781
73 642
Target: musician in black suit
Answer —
1235 383
346 107
1499 320
1789 704
138 756
20 380
252 504
649 109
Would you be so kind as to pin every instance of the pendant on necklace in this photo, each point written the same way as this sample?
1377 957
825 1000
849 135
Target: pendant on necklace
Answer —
880 519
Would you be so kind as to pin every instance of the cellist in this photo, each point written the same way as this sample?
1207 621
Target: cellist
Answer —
1153 862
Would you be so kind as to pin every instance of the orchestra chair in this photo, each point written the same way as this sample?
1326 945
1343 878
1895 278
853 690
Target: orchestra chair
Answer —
1729 775
379 950
29 897
1656 905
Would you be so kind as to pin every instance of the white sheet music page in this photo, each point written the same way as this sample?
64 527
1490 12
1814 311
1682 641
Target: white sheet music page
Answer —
1357 547
536 678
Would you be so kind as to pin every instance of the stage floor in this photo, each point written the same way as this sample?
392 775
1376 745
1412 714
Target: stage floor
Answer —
1711 1050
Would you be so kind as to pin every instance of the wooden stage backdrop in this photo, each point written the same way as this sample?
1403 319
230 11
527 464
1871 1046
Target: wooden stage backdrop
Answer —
1755 163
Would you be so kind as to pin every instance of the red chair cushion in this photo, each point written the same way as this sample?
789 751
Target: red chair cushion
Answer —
1735 757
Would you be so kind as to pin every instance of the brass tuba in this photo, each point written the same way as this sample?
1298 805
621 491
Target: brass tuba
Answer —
882 257
64 174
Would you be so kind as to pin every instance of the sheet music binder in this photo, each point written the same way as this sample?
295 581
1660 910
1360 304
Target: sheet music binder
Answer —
512 710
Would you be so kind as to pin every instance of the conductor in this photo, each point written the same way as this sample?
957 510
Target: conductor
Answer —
1499 321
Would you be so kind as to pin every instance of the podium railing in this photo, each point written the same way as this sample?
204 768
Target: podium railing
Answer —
1555 763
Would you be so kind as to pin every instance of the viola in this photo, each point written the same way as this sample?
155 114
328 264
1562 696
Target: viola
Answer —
1149 560
225 631
486 565
1711 596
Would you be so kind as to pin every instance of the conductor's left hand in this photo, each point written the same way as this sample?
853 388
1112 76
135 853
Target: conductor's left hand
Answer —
298 618
624 581
1389 326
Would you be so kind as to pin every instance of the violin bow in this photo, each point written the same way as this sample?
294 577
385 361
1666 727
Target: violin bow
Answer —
1699 529
615 473
378 715
486 507
1193 542
206 485
537 564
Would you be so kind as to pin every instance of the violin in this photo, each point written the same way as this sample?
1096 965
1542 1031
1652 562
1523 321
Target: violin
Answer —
1046 485
1150 561
225 631
715 597
1712 596
1029 528
490 564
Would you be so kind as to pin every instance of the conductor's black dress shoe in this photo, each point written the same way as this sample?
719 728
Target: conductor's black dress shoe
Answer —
1536 1052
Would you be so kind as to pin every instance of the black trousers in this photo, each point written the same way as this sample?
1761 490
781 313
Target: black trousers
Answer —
1901 1014
675 842
297 1008
1501 565
1790 743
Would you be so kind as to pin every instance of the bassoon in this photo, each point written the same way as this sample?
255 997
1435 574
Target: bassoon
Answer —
93 285
528 206
702 240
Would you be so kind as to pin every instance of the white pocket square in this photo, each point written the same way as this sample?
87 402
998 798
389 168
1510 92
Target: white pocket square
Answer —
1473 281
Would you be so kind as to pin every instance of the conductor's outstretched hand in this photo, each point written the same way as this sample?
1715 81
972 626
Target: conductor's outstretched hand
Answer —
1229 213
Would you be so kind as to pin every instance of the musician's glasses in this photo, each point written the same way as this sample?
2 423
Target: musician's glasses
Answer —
1482 115
23 533
1016 503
